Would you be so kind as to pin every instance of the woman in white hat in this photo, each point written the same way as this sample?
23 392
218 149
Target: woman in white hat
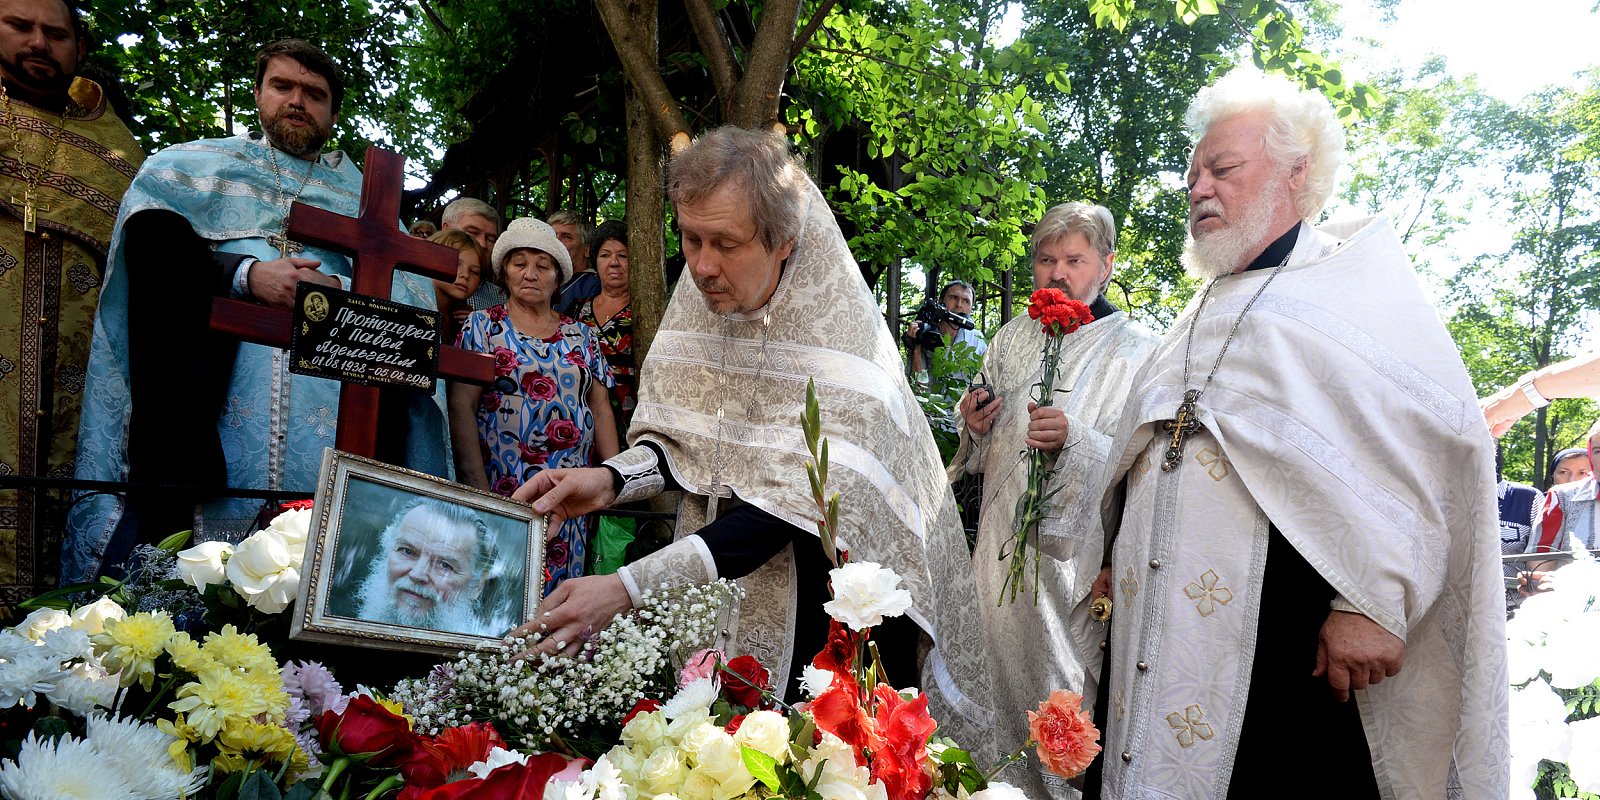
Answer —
548 405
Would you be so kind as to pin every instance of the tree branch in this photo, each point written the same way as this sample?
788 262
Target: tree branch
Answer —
718 51
438 22
642 73
756 103
811 27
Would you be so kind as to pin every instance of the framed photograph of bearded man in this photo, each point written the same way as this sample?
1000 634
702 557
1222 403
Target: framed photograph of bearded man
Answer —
402 560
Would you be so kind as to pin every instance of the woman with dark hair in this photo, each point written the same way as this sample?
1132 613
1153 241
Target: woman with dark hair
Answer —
548 405
610 313
1571 464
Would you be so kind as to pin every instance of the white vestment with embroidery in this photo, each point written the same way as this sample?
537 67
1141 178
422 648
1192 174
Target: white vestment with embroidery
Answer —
1343 415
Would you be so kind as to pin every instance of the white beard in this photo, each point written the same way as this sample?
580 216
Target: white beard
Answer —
377 596
1222 252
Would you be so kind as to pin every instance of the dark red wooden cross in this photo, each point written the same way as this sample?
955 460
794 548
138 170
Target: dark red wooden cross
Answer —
379 247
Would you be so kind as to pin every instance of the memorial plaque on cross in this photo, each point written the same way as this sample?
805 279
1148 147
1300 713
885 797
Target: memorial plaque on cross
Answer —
377 247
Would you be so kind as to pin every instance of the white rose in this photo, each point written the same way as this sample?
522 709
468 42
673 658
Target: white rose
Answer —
646 730
766 731
91 619
1000 791
203 565
864 593
697 736
663 771
700 786
678 729
36 625
294 526
722 760
265 571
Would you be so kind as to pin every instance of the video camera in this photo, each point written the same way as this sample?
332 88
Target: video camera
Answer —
930 315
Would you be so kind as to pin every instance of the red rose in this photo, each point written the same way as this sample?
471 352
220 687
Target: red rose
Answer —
511 780
733 724
367 727
497 313
505 361
538 386
747 681
644 706
446 757
562 433
491 402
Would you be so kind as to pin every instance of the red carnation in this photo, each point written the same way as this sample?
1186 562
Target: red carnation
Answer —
747 681
1057 313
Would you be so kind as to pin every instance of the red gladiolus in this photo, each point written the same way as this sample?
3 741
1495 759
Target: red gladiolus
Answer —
838 656
905 728
645 705
838 711
446 757
752 679
366 727
520 781
1067 738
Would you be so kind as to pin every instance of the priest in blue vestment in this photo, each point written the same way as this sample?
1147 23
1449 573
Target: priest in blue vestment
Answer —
168 402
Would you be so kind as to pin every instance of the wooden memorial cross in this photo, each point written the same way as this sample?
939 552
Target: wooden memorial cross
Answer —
378 247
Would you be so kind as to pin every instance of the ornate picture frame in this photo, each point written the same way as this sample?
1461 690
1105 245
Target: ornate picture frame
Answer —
402 560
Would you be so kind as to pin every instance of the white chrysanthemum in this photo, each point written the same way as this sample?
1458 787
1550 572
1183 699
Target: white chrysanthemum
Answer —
139 752
815 680
1538 730
999 791
695 696
26 675
66 644
66 769
86 688
864 593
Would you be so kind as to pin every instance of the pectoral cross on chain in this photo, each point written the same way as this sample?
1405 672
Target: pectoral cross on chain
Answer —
30 211
1180 426
285 245
717 492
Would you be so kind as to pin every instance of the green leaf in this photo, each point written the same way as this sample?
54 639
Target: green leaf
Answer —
762 766
259 786
952 755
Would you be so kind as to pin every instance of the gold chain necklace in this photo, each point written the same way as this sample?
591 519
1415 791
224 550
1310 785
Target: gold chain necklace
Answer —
32 173
281 240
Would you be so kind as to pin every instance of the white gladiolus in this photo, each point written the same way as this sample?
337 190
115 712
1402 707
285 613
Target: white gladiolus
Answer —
864 593
204 564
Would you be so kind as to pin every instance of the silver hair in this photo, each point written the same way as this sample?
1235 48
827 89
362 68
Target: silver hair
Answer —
484 555
562 216
466 207
757 165
1301 127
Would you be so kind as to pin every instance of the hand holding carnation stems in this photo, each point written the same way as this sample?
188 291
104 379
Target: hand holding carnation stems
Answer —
1059 315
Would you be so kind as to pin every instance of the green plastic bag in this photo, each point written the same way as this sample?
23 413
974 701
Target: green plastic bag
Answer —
610 545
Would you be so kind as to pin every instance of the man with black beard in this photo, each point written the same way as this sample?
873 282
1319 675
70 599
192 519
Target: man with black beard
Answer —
65 160
431 572
209 218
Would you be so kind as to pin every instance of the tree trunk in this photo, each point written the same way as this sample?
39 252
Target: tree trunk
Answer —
647 276
1007 280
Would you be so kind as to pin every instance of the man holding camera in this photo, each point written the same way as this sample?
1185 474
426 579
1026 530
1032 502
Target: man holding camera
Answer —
938 325
1047 638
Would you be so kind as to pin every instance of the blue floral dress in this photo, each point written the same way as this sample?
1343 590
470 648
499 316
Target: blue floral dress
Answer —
536 414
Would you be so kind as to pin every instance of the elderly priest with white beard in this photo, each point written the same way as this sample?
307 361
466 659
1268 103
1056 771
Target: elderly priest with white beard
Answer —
1304 503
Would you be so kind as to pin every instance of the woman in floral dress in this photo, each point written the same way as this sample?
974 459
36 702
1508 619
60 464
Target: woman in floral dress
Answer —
548 406
610 313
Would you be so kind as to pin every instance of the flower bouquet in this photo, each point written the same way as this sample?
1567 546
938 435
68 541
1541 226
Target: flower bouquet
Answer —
1555 686
1058 315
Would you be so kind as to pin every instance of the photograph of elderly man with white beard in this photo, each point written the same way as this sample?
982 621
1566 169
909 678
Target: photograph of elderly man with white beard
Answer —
423 562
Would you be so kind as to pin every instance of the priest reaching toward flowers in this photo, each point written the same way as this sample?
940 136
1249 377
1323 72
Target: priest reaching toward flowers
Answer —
776 299
1307 544
1044 631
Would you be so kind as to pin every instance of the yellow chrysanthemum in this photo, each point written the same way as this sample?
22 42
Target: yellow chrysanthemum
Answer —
228 763
182 733
132 645
239 650
218 695
256 740
188 656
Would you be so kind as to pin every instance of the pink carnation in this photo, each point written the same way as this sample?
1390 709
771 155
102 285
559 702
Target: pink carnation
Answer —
700 665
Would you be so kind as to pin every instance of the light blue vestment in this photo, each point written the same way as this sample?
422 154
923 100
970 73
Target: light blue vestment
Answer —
275 425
